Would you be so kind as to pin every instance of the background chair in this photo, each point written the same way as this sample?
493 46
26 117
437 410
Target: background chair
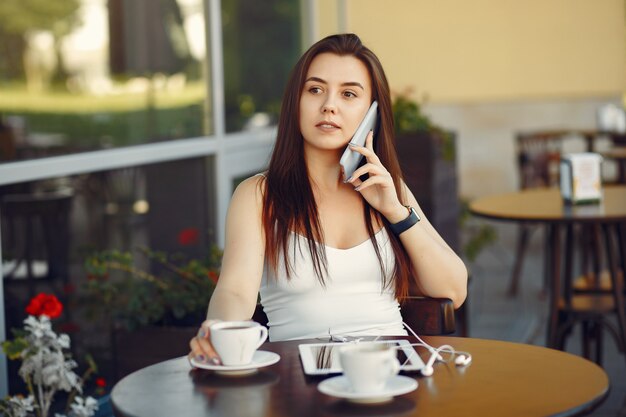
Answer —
429 316
591 301
617 154
538 156
36 236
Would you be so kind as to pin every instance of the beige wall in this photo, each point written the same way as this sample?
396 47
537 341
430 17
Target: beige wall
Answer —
328 17
494 67
484 50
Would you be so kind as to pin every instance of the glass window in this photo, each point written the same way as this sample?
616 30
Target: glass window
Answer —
261 44
50 229
78 75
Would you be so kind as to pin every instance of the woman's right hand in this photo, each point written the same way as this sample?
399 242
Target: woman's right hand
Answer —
201 348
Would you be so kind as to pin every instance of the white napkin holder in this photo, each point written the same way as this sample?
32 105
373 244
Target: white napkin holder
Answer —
581 180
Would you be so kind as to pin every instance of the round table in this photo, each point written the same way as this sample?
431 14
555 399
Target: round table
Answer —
545 205
504 378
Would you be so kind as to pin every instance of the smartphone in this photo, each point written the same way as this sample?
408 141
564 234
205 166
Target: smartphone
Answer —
350 159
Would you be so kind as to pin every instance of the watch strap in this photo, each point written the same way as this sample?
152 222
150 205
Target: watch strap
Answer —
404 225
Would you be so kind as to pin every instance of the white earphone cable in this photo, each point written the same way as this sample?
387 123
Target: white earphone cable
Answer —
460 358
465 357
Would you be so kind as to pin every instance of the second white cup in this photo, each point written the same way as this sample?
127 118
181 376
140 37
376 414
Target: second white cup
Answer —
368 366
236 341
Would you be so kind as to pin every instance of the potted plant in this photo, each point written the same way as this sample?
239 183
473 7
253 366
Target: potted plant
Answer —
427 155
47 368
151 302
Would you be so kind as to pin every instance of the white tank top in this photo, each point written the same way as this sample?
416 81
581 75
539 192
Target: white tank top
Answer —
351 303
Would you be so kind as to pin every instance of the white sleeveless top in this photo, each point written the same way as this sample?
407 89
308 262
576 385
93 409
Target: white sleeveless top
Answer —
353 301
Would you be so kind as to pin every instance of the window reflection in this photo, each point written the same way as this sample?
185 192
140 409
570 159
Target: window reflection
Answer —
50 228
80 75
261 45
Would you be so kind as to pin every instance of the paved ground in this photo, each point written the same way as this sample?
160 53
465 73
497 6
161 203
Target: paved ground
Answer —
493 315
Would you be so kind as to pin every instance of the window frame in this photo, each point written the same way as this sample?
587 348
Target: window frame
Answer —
236 154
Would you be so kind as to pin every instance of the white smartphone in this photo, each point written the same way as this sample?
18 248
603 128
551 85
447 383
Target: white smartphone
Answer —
323 358
350 159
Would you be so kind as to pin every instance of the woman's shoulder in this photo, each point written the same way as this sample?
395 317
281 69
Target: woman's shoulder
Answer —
251 188
253 182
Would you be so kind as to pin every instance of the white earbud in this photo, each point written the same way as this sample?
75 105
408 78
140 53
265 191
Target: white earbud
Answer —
463 360
428 370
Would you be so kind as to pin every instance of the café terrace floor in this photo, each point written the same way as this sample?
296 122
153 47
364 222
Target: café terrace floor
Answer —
494 315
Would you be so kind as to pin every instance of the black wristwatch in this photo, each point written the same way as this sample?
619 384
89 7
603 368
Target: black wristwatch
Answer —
406 224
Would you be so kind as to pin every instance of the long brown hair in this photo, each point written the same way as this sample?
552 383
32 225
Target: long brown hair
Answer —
288 202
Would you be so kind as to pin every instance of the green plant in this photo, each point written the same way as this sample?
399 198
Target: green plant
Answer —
478 235
148 287
46 366
408 117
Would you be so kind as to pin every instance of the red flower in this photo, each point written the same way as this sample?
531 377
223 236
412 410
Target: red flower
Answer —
213 276
45 305
189 236
101 382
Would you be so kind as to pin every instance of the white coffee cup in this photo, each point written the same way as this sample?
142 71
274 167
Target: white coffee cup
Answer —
236 341
368 366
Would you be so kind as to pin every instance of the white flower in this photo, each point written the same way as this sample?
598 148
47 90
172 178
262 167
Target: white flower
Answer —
39 328
84 407
44 360
56 372
41 335
20 406
49 369
64 341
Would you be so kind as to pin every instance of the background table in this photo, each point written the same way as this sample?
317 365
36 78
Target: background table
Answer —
504 379
546 206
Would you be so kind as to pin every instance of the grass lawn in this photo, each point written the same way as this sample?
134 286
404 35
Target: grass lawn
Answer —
19 100
91 121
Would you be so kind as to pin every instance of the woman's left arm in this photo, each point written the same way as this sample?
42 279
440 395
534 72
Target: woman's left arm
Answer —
439 270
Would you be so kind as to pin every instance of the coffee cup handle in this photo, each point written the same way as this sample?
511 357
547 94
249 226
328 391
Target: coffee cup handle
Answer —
394 369
263 336
391 370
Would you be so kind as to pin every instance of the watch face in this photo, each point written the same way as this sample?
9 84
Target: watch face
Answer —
415 212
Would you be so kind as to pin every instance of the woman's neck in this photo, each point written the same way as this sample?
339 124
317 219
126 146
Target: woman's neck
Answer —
324 169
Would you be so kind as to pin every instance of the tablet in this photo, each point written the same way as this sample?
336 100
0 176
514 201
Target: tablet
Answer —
323 358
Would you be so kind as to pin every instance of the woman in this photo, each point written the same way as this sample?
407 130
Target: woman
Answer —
329 256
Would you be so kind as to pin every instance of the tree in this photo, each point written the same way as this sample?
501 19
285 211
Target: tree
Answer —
24 17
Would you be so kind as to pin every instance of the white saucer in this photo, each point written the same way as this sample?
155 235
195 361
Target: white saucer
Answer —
260 359
340 387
